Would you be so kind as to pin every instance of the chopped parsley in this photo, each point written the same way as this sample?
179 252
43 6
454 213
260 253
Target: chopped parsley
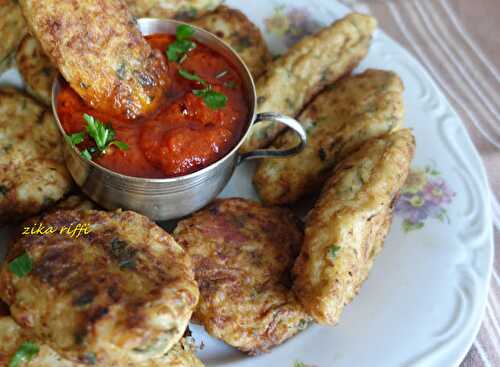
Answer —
189 76
24 354
21 265
76 138
213 100
333 251
182 45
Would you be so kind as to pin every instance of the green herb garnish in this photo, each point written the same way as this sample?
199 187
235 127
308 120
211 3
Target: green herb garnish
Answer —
103 135
86 154
213 100
187 75
333 251
21 265
76 138
24 353
182 45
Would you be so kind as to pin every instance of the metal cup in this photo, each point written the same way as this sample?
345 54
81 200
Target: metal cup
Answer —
170 198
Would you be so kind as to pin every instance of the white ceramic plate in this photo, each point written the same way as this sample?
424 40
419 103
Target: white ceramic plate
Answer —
424 300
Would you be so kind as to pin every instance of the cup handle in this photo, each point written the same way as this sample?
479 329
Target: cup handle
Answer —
276 153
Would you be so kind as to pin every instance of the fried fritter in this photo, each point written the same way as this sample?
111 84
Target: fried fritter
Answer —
242 254
354 110
316 61
176 9
36 69
32 171
12 30
348 224
99 50
121 294
234 28
76 202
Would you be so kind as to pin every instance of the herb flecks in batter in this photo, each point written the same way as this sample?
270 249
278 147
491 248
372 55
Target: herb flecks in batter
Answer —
21 265
24 354
333 251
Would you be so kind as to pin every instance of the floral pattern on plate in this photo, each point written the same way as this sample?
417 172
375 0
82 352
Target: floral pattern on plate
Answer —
302 364
424 195
291 23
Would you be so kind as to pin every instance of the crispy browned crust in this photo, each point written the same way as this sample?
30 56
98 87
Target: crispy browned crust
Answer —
316 61
36 69
99 50
234 28
242 254
348 224
176 9
352 111
12 30
123 293
32 171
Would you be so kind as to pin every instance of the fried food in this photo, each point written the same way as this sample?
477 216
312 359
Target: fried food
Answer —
99 50
12 30
121 294
354 110
32 171
234 28
76 202
176 9
346 229
242 254
36 69
316 61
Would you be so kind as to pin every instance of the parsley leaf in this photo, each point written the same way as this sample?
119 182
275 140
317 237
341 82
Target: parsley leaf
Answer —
120 144
24 353
86 154
103 136
213 100
184 32
187 75
333 251
21 265
76 138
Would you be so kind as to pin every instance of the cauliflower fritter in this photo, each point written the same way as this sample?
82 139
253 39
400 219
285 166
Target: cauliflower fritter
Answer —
12 30
32 171
234 28
348 224
36 69
121 294
354 110
76 202
176 9
316 61
242 254
99 50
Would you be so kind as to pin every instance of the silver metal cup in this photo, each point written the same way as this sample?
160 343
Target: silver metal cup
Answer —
170 198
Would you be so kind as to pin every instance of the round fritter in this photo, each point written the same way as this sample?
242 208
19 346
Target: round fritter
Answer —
32 171
98 48
348 224
352 111
36 69
234 28
76 202
12 30
242 254
123 293
176 9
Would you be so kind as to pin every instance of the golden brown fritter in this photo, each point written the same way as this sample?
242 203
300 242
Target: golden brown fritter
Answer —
348 224
32 171
242 254
352 111
316 61
36 69
234 28
176 9
12 30
99 50
121 294
76 202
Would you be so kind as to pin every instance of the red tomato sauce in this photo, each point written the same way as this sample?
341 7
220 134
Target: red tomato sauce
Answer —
184 135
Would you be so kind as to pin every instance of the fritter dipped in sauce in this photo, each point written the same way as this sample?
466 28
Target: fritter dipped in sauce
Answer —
200 118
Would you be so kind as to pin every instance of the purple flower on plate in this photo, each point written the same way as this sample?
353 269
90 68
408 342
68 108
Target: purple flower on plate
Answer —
424 196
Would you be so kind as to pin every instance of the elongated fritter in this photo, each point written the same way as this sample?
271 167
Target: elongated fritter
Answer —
242 254
32 171
348 224
36 69
353 110
99 50
12 31
234 28
316 61
176 9
121 294
12 337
